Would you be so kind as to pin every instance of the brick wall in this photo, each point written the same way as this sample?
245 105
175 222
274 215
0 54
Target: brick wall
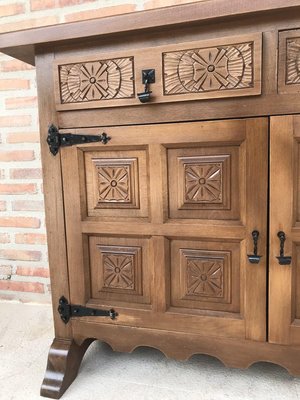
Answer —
24 271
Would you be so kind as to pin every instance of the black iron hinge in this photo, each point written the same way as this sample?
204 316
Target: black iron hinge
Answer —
67 310
56 140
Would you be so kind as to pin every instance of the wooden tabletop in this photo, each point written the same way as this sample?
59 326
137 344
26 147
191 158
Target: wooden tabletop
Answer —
21 44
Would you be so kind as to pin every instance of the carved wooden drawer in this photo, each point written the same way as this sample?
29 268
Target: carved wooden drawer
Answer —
289 62
223 67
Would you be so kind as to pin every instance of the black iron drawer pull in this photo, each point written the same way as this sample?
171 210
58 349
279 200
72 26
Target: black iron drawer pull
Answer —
254 258
282 259
148 76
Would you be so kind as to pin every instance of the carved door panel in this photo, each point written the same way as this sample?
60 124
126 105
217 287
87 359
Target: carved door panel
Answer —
284 290
159 225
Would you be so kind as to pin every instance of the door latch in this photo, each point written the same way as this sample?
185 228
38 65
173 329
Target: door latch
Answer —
67 310
282 259
254 258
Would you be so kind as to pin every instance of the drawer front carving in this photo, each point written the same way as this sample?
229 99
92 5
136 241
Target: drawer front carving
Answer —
289 62
209 69
97 80
223 67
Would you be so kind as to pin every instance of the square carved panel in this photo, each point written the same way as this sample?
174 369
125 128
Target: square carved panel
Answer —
289 61
116 183
201 183
119 269
205 180
205 275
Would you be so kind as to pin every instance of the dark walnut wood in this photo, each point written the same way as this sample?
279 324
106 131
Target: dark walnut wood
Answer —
63 364
158 223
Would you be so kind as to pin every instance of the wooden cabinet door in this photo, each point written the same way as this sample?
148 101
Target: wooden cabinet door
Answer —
159 223
284 289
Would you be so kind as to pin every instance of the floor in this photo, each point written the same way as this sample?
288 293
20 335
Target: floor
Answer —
146 374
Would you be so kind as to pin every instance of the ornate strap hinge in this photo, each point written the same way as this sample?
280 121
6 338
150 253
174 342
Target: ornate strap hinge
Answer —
67 310
56 140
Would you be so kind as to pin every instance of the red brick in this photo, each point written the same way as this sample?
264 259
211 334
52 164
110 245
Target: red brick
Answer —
65 3
27 271
14 84
28 205
4 238
17 155
20 222
35 287
28 23
41 4
16 103
18 188
14 65
26 173
17 120
24 255
2 205
30 238
23 137
100 12
11 9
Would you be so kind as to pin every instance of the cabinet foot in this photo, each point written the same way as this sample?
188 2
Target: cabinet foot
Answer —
64 360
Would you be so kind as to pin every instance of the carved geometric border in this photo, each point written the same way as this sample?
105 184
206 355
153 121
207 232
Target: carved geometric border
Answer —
120 269
116 183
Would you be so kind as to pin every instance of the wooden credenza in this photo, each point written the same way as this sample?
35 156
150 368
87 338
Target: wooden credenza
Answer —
170 147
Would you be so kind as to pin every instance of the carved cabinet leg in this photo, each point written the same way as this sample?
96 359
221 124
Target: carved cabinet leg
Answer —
63 364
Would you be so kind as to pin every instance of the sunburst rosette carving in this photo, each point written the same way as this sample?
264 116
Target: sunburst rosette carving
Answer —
208 69
293 61
97 80
118 271
205 277
203 183
114 184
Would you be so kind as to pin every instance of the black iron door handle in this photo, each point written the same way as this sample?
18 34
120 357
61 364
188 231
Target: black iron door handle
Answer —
282 259
254 258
